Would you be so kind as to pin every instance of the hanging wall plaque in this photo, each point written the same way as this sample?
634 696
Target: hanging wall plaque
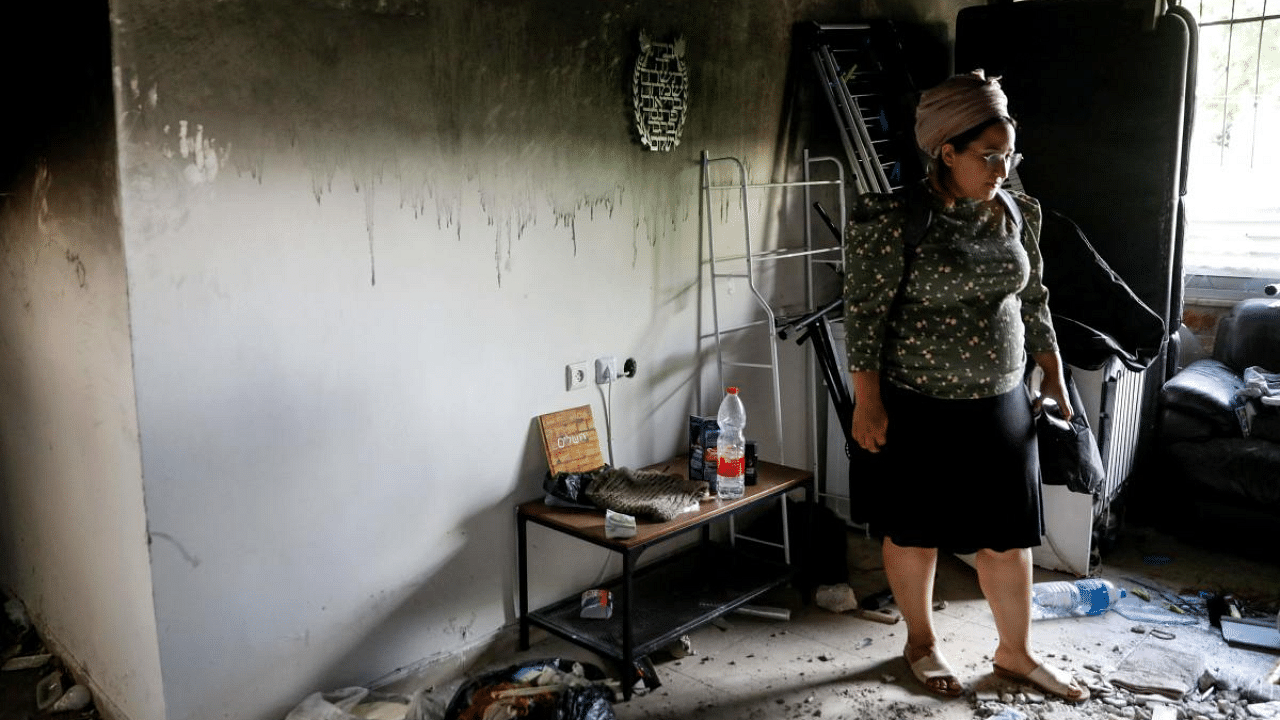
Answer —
660 92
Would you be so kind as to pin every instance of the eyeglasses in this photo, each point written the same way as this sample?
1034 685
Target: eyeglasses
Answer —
1001 161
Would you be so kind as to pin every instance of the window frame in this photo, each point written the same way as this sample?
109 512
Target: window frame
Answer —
1220 281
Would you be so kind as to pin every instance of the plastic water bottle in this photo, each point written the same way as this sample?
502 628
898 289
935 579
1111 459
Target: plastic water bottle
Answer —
1091 596
731 447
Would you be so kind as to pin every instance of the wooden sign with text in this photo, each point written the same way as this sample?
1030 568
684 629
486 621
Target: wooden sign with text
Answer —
571 441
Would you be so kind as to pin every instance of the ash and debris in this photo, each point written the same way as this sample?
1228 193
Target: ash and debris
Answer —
34 682
1214 699
1223 691
1217 696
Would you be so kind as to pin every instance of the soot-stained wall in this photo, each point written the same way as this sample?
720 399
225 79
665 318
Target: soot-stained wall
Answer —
529 102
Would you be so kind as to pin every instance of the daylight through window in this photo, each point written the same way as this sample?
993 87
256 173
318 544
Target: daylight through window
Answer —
1233 193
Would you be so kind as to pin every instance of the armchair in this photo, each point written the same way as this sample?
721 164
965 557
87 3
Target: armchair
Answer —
1219 449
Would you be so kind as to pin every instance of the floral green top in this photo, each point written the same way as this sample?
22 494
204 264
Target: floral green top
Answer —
973 305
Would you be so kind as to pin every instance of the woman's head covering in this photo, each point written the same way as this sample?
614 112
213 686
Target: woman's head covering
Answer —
961 102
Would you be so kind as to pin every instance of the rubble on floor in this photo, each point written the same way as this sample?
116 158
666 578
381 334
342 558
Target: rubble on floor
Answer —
1152 671
1210 698
1110 702
35 683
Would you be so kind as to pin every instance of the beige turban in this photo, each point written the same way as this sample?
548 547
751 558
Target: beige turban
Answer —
960 103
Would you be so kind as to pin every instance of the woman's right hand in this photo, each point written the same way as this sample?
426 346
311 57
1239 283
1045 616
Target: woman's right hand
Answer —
870 425
870 421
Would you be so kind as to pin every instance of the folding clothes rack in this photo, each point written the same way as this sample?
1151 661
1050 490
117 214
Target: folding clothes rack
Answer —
746 266
863 73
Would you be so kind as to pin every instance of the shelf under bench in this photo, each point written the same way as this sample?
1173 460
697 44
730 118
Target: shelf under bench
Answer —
660 602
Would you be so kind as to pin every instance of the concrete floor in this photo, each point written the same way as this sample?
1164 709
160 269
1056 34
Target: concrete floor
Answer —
821 664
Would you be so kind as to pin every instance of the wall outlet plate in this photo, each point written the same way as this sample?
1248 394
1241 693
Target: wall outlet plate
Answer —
576 375
606 369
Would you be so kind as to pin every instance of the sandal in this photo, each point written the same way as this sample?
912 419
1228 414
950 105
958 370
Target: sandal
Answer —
1048 679
933 667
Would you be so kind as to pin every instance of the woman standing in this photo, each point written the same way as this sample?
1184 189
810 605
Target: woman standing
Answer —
938 340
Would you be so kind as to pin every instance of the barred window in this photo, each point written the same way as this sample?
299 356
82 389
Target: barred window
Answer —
1233 192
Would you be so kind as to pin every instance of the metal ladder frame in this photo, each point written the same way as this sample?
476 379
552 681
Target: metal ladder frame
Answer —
771 320
751 257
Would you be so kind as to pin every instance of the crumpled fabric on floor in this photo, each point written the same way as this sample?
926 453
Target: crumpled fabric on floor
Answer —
353 703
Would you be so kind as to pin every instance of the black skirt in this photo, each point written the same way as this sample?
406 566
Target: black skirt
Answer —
958 475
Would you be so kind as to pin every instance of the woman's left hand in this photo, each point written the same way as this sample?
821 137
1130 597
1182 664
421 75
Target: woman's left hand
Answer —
1054 384
1055 389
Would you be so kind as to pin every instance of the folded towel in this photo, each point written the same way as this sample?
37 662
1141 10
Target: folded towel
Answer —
1159 670
648 493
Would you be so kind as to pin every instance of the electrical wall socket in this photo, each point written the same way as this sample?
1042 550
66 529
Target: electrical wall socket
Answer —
606 369
575 375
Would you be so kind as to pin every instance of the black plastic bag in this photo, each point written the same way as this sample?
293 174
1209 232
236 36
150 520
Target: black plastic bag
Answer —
571 487
478 691
1068 450
589 702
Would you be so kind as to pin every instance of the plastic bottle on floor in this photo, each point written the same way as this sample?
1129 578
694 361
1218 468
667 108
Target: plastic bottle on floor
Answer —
731 446
1090 596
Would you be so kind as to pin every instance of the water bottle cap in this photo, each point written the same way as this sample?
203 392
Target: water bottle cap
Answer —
733 391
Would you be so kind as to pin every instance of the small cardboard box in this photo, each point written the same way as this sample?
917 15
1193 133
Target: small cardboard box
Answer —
703 434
